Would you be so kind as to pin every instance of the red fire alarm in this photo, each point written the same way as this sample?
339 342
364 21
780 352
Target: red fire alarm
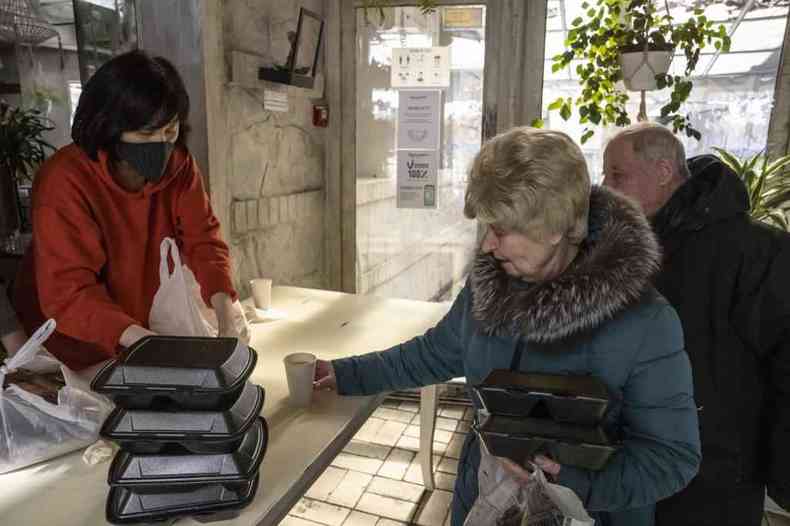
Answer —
320 115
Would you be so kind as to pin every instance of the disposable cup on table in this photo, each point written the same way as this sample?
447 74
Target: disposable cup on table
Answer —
300 372
262 293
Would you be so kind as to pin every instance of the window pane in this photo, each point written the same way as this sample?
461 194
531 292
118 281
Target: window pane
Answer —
733 92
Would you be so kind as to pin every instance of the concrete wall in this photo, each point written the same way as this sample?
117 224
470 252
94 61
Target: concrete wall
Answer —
266 168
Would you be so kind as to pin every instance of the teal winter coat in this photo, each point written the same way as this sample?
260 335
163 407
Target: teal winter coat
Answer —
601 318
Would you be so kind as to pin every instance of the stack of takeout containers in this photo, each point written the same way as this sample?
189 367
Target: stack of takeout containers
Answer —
188 424
527 414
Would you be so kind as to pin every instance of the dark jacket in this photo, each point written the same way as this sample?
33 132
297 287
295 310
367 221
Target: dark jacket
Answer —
728 277
600 317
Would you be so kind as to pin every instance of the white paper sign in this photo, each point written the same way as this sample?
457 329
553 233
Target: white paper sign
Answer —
275 100
417 171
419 119
427 67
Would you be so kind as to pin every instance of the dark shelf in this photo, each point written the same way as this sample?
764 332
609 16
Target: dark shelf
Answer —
285 77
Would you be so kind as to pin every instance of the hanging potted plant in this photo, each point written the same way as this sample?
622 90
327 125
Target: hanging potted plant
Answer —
426 7
22 150
631 41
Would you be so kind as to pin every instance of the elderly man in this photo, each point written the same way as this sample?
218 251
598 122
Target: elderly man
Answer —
728 277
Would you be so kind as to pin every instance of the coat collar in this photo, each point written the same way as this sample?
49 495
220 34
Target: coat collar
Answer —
612 271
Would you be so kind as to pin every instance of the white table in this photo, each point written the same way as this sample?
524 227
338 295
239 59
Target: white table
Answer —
302 443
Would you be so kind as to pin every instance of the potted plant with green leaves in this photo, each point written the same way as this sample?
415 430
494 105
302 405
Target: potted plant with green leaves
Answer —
22 150
632 41
767 183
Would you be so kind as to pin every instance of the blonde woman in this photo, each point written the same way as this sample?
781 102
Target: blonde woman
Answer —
561 285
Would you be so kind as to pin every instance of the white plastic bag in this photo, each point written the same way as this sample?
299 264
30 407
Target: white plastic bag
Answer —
178 308
174 311
505 500
31 428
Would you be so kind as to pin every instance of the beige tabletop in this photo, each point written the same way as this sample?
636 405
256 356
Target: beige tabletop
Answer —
67 492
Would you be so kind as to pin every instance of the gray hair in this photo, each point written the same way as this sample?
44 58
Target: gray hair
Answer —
529 179
654 142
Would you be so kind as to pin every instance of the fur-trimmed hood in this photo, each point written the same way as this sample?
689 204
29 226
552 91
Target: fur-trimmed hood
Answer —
613 270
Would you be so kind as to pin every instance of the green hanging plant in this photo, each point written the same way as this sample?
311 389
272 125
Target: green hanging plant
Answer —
612 27
768 185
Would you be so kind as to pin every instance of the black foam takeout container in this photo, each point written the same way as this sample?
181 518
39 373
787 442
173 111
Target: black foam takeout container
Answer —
202 432
172 373
135 505
563 398
167 470
520 439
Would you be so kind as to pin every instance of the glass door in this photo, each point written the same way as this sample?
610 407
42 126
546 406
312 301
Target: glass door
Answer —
424 252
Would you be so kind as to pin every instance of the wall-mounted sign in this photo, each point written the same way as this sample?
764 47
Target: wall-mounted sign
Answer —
417 181
419 119
463 17
420 67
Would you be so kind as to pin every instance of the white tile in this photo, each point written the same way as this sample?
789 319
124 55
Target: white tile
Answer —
387 413
396 464
353 462
445 481
412 431
274 210
357 518
448 465
396 489
452 411
436 509
320 512
326 483
455 446
350 489
414 473
369 429
411 407
469 414
464 427
390 522
387 507
389 433
263 212
448 424
413 444
439 435
290 520
366 449
240 216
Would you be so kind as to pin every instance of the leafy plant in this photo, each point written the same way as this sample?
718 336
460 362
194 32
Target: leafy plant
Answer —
22 145
426 7
615 26
768 185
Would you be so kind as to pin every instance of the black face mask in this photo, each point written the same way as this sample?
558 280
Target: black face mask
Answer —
149 159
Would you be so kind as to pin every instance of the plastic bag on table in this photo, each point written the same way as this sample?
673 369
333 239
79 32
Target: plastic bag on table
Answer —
35 427
178 308
506 500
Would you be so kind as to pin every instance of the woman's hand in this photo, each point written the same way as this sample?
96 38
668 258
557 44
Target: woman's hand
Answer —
324 376
548 466
226 315
132 334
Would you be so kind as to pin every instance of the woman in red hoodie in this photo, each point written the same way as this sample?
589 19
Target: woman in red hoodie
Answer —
103 205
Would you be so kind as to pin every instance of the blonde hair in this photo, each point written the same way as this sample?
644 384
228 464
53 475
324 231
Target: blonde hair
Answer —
529 179
654 142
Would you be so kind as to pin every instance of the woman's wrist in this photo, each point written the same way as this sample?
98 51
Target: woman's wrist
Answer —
132 334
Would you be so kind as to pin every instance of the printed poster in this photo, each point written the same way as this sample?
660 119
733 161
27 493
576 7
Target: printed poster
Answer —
417 178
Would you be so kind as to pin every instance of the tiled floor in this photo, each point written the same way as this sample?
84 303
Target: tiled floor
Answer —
376 480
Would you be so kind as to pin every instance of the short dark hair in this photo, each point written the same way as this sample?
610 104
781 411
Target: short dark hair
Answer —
130 92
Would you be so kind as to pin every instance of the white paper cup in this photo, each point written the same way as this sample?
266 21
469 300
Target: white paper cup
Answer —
300 372
262 293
